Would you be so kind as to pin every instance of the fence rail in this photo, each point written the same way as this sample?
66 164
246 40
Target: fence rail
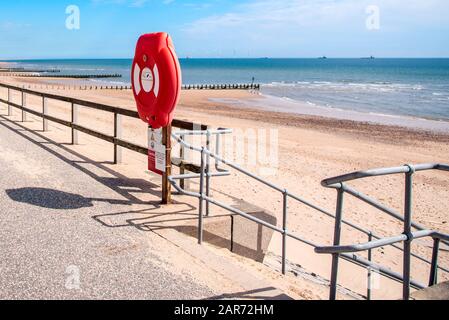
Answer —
204 197
74 103
406 238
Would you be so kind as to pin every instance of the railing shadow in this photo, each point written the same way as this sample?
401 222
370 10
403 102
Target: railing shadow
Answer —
118 183
251 294
125 220
147 220
55 199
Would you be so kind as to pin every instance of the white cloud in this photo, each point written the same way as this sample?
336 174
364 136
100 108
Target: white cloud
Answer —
138 3
130 3
10 25
292 27
319 13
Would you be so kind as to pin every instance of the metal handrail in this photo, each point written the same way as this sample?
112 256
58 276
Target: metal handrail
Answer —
408 235
337 181
381 242
372 267
357 260
240 169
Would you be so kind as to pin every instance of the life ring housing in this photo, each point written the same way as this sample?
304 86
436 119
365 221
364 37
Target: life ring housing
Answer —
156 79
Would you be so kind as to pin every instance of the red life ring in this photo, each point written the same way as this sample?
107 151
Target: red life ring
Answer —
156 79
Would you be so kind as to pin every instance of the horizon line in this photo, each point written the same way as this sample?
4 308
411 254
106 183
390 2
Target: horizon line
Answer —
229 58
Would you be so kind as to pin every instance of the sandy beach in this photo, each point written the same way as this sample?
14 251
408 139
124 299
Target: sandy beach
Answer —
311 148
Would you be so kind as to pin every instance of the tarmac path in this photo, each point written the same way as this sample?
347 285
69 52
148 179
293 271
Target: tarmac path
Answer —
52 247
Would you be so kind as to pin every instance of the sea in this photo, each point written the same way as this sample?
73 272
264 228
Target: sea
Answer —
365 88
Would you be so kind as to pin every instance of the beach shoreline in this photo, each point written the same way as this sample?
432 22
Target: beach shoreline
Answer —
304 109
253 104
371 92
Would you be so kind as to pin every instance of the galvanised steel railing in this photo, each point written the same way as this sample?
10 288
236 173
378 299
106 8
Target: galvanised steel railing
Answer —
219 172
204 196
407 237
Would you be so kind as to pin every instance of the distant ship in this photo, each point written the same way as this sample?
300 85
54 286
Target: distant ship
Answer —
322 58
369 58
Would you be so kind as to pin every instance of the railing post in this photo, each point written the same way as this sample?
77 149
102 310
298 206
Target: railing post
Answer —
9 106
44 112
434 268
182 171
337 237
75 137
200 207
24 115
284 234
218 149
407 232
166 186
232 233
118 151
207 171
370 258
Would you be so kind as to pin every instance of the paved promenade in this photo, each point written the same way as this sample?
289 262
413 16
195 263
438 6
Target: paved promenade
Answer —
51 245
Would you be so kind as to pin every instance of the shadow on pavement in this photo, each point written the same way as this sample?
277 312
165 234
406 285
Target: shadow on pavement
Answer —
118 182
48 198
252 294
55 199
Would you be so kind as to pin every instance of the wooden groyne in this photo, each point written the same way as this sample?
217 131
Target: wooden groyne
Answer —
68 76
128 87
239 86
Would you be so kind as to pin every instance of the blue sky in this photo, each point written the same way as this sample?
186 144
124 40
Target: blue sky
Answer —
227 28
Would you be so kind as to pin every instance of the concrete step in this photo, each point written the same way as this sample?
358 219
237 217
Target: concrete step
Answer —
438 292
233 232
253 286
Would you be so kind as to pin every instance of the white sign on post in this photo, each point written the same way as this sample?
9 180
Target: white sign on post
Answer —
156 152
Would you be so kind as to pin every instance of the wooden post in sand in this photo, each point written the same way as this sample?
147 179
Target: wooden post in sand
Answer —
24 115
118 151
44 112
74 117
166 186
9 106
